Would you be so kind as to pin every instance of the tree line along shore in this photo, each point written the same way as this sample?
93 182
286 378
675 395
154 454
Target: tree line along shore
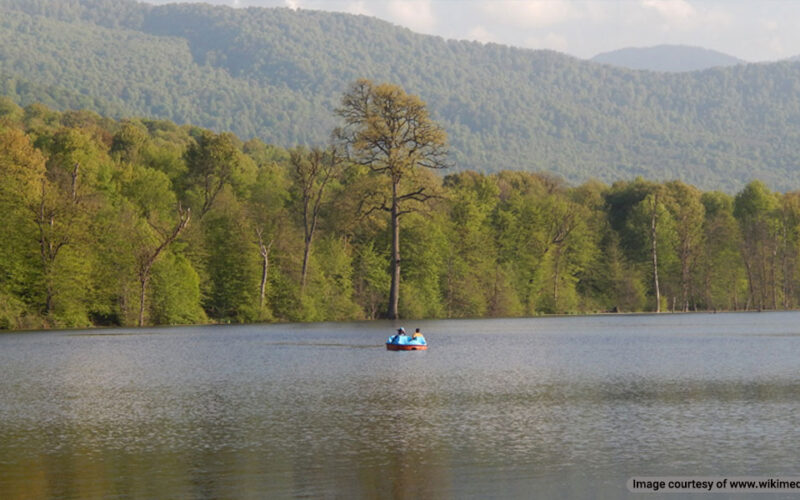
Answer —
146 222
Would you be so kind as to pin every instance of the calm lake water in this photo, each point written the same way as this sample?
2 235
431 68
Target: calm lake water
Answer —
548 407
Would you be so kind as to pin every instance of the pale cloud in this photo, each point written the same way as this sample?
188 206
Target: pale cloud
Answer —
700 19
718 18
672 11
292 4
775 45
533 14
770 25
598 12
772 40
556 42
552 41
358 8
480 34
415 14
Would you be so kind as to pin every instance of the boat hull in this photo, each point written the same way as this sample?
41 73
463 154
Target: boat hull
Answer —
406 347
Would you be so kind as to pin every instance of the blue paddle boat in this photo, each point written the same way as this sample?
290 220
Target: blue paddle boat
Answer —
402 342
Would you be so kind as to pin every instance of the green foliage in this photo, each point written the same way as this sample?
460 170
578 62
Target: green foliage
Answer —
330 294
10 112
391 134
149 189
12 312
90 207
371 276
474 285
232 265
71 277
620 287
756 210
639 224
721 270
425 251
129 141
284 296
175 293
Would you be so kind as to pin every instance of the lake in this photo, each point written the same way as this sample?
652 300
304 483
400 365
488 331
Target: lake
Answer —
549 407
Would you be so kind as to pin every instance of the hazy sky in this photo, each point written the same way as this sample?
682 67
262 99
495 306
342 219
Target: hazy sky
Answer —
751 30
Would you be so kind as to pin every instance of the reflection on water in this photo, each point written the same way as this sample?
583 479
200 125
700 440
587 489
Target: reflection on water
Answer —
551 406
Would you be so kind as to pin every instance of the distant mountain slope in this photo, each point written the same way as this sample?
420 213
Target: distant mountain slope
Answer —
667 58
278 74
24 92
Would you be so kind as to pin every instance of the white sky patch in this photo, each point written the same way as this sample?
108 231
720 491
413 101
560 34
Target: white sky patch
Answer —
292 4
529 14
718 18
672 10
772 40
770 25
597 12
480 34
775 45
415 14
552 41
358 8
556 42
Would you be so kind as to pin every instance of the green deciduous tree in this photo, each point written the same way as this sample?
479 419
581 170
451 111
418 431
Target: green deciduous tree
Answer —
267 215
755 207
655 227
472 285
63 210
213 161
158 227
721 270
683 203
392 133
312 172
22 172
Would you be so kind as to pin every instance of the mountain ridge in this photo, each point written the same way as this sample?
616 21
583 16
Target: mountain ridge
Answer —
277 74
667 58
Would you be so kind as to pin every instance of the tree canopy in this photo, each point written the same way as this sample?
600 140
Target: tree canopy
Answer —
390 133
96 231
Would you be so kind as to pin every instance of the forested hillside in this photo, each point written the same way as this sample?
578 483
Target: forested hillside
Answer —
276 74
143 221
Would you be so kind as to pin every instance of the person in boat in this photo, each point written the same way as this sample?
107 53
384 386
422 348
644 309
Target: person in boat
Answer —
417 335
401 337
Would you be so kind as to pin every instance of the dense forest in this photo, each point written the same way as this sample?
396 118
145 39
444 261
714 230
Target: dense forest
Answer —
144 221
276 75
